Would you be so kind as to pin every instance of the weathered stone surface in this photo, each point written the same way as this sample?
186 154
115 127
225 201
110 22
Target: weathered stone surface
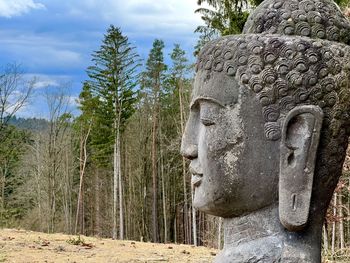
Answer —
317 19
269 127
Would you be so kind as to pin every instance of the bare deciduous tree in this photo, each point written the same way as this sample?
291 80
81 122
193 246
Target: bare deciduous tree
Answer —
15 91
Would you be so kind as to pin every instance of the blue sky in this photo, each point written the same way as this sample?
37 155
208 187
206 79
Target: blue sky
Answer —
53 39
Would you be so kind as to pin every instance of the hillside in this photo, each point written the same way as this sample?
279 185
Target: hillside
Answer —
31 124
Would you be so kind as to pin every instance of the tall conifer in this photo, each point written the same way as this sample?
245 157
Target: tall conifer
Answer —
113 81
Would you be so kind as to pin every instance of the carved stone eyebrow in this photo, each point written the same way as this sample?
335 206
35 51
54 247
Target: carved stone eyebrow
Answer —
196 100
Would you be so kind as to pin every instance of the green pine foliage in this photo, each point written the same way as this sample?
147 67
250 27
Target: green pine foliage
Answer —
227 17
110 91
153 76
14 143
112 77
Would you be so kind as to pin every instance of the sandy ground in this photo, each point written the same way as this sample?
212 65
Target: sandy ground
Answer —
23 246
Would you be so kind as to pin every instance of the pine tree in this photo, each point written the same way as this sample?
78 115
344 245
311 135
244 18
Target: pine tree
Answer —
179 83
223 17
12 148
153 79
83 127
113 82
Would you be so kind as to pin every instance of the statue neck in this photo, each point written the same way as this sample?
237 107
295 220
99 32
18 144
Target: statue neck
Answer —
256 225
259 237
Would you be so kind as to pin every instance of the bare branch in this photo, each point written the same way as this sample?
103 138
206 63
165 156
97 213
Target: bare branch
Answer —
15 91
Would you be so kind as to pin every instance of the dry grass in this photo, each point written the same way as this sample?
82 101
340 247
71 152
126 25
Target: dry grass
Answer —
21 246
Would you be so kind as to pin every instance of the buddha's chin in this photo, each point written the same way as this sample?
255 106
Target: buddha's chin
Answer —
204 202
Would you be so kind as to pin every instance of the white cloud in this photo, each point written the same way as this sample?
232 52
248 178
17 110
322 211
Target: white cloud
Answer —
73 101
44 81
157 18
33 110
10 8
48 56
52 85
169 17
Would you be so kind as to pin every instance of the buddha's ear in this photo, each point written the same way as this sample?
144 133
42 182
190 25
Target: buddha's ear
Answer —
300 137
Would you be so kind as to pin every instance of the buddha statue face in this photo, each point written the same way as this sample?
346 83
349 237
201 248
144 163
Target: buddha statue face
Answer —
259 107
268 129
232 165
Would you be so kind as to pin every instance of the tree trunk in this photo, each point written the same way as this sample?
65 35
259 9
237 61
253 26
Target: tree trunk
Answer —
334 225
97 203
82 164
175 216
194 221
186 221
325 239
3 183
155 230
121 212
115 190
38 181
341 225
163 193
219 233
175 231
66 195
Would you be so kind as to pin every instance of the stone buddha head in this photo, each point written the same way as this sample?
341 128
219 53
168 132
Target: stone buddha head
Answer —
270 114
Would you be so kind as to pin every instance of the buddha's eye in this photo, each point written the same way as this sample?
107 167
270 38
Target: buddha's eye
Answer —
207 122
209 112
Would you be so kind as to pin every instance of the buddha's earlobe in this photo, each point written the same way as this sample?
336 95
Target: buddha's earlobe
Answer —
300 137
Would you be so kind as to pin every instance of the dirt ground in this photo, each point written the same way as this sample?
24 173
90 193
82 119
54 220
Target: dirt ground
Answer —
23 246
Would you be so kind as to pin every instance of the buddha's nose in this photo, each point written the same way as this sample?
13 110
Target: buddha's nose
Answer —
189 144
188 149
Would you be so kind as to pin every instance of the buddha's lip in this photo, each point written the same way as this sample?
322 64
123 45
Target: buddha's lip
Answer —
196 179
